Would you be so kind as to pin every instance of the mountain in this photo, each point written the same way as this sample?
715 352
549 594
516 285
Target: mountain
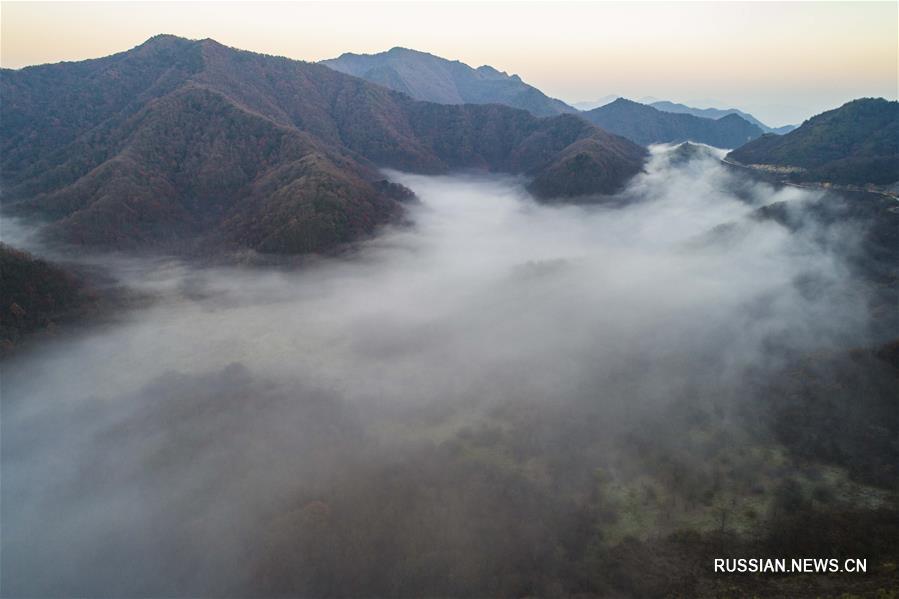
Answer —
857 143
189 144
717 113
430 78
647 125
590 105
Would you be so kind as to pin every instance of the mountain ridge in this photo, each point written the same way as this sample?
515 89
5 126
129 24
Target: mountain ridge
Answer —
178 140
428 77
717 113
646 125
856 144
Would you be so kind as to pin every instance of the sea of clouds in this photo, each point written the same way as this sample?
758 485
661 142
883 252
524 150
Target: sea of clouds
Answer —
140 454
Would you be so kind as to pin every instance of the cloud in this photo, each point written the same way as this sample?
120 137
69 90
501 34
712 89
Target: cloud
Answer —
165 452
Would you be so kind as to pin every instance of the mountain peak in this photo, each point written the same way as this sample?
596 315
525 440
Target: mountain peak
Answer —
164 41
427 77
866 104
163 44
646 125
403 51
163 38
486 68
625 102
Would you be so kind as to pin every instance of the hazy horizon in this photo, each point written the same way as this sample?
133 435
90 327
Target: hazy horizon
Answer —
585 50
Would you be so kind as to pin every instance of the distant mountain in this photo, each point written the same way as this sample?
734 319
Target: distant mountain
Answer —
608 100
185 144
590 105
717 113
647 125
424 76
857 143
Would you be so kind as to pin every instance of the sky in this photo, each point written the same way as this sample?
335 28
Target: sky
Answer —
784 62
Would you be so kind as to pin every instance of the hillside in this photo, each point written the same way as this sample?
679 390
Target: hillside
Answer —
717 113
34 296
857 143
646 125
430 78
180 143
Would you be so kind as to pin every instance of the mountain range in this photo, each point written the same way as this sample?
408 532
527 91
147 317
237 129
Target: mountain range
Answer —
183 144
424 76
857 143
191 145
431 78
646 125
717 113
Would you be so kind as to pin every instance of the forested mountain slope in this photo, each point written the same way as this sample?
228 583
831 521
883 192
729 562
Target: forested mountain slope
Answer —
180 142
857 143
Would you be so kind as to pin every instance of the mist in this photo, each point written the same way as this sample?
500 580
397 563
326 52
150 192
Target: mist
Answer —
252 431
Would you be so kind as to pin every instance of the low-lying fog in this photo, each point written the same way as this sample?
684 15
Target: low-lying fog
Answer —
162 453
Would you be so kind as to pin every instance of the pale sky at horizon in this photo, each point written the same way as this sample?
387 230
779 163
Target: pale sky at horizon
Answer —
783 62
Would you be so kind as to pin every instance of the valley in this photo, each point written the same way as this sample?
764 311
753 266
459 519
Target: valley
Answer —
373 311
583 371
